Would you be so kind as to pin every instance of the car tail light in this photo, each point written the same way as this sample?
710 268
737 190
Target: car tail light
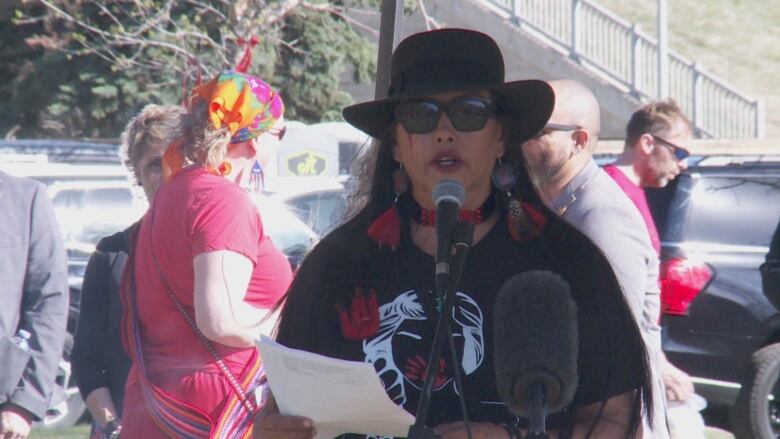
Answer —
681 281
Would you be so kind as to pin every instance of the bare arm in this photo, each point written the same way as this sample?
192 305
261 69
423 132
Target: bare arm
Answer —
221 281
590 421
270 424
678 384
100 406
606 420
479 430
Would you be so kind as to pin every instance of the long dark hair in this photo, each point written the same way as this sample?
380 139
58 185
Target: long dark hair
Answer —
301 322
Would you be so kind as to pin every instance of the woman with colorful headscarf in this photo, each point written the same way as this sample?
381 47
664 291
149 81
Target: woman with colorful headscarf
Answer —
204 272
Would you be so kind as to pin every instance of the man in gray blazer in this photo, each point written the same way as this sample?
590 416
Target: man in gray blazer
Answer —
33 303
573 185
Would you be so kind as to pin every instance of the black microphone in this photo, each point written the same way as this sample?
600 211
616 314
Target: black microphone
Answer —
448 197
536 346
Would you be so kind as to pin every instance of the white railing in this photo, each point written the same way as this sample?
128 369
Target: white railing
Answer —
599 39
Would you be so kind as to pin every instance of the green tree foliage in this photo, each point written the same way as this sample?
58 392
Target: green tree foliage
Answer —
82 68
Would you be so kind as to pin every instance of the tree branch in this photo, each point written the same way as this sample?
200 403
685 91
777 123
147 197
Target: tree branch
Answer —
208 8
341 13
430 22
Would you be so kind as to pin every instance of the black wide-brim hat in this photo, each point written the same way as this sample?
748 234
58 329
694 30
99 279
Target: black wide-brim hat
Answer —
449 60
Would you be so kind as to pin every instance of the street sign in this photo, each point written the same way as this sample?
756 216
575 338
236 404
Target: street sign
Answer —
307 152
307 164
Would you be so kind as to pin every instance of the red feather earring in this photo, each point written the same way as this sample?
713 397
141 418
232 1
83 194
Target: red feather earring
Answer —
386 229
523 220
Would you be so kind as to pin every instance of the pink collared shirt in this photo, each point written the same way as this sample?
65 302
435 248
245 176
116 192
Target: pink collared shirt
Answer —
639 198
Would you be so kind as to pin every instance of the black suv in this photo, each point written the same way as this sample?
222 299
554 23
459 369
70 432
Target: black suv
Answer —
716 222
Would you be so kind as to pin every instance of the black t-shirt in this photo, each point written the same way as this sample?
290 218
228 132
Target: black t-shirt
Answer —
403 281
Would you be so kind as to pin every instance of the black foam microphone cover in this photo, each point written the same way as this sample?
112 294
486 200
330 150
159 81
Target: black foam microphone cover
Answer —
536 340
448 197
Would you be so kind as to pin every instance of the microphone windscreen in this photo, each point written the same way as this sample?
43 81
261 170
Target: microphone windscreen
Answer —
535 331
449 190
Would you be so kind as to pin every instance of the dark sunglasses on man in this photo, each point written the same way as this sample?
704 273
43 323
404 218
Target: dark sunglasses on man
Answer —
466 114
679 152
550 127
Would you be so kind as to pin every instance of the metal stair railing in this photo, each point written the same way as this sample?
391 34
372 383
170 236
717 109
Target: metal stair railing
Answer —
603 42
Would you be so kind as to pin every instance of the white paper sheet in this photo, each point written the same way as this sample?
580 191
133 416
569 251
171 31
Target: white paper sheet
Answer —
339 396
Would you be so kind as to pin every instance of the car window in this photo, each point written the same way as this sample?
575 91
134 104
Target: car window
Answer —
287 232
735 210
87 210
69 199
107 198
322 211
302 206
54 180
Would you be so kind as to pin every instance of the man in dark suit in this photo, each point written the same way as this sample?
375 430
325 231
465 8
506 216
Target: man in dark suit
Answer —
33 303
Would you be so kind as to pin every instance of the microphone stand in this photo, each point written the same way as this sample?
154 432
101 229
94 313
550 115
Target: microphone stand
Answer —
446 285
537 413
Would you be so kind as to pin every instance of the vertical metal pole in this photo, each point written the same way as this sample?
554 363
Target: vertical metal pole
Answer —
663 51
515 12
576 6
760 128
698 103
390 28
636 62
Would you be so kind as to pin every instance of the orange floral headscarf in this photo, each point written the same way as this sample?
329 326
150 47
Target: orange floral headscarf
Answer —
246 105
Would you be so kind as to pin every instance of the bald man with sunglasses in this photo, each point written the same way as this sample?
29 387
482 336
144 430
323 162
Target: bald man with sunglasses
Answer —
560 158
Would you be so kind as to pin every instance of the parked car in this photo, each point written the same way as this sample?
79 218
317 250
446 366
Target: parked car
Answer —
322 210
63 151
715 222
320 202
288 233
353 143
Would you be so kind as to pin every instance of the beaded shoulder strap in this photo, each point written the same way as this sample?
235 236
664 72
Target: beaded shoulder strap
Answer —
248 403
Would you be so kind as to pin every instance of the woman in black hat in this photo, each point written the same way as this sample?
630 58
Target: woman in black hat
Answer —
364 292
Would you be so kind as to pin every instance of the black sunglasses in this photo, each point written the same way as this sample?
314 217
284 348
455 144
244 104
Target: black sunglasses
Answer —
466 114
556 127
679 152
278 132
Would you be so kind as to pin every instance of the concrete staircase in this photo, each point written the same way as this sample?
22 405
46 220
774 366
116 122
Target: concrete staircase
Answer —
528 55
539 40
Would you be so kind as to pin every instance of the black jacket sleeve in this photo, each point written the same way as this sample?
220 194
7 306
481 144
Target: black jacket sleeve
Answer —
88 358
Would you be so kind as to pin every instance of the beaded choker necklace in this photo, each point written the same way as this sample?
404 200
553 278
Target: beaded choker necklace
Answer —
427 217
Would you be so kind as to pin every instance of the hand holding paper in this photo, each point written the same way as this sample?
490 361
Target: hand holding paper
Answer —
339 396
